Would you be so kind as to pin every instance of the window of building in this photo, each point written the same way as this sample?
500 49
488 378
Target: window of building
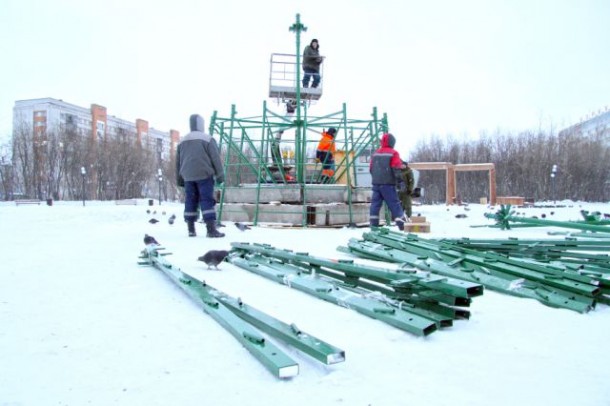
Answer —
100 127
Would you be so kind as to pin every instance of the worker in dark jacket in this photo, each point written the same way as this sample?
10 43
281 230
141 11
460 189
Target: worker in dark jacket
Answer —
405 189
311 64
197 165
385 168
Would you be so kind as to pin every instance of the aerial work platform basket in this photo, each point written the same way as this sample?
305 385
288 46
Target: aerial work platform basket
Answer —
283 80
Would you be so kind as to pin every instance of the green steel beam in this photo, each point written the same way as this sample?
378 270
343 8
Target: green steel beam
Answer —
371 307
244 321
428 295
487 262
497 281
418 304
289 333
450 286
272 357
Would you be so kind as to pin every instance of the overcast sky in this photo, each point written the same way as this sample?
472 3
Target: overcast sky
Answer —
435 67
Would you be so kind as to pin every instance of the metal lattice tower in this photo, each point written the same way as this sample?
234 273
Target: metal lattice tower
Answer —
271 157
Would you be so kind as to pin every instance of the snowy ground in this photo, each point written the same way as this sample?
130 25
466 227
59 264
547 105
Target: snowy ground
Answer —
82 324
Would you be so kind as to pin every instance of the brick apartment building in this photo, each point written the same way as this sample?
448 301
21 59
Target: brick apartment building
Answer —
49 113
40 117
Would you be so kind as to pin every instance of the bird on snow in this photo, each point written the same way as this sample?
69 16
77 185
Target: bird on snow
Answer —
213 257
147 211
242 227
149 239
153 221
171 219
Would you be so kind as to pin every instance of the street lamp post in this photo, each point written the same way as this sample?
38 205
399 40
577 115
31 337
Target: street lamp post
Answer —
83 172
553 175
160 177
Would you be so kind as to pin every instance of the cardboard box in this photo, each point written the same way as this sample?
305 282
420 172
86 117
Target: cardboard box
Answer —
418 219
417 227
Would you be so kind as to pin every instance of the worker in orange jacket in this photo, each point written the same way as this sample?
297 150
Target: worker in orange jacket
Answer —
326 154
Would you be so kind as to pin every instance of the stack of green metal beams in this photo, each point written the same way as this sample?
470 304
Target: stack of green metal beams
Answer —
569 253
554 284
411 300
247 324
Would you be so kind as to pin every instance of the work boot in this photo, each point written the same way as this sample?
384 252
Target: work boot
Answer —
191 227
400 222
212 232
374 223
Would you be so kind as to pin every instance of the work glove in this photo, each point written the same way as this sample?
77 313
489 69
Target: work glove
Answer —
220 180
180 181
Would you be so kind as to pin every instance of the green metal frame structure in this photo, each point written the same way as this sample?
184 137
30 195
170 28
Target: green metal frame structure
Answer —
247 143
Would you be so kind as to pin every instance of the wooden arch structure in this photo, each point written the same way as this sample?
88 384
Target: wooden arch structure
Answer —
450 177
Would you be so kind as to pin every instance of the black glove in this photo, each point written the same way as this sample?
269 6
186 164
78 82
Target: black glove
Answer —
180 181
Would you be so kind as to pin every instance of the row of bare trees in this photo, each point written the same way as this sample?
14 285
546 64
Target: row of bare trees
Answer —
524 164
61 164
49 166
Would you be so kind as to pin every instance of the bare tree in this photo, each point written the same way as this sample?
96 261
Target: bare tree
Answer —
6 172
523 165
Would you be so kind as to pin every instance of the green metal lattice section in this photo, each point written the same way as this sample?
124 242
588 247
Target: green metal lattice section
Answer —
255 158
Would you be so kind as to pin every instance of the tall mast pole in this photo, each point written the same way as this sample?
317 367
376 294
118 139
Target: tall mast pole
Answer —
297 28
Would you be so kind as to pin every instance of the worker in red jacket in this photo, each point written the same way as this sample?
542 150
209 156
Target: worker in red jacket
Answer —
385 168
326 154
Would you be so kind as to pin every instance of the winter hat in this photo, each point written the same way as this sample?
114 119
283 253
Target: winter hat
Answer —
332 131
314 40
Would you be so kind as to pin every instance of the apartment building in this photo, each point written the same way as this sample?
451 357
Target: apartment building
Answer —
48 113
594 123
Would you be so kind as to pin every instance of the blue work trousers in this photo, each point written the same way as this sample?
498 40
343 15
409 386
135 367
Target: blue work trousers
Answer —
387 194
309 73
199 195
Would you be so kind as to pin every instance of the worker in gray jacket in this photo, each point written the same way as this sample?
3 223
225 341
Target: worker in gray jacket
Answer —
198 164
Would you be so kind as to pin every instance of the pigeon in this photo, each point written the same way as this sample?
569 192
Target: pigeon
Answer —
153 221
149 240
171 219
147 211
460 216
242 227
213 257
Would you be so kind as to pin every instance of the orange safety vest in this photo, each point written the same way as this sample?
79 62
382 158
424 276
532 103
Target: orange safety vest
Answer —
327 143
